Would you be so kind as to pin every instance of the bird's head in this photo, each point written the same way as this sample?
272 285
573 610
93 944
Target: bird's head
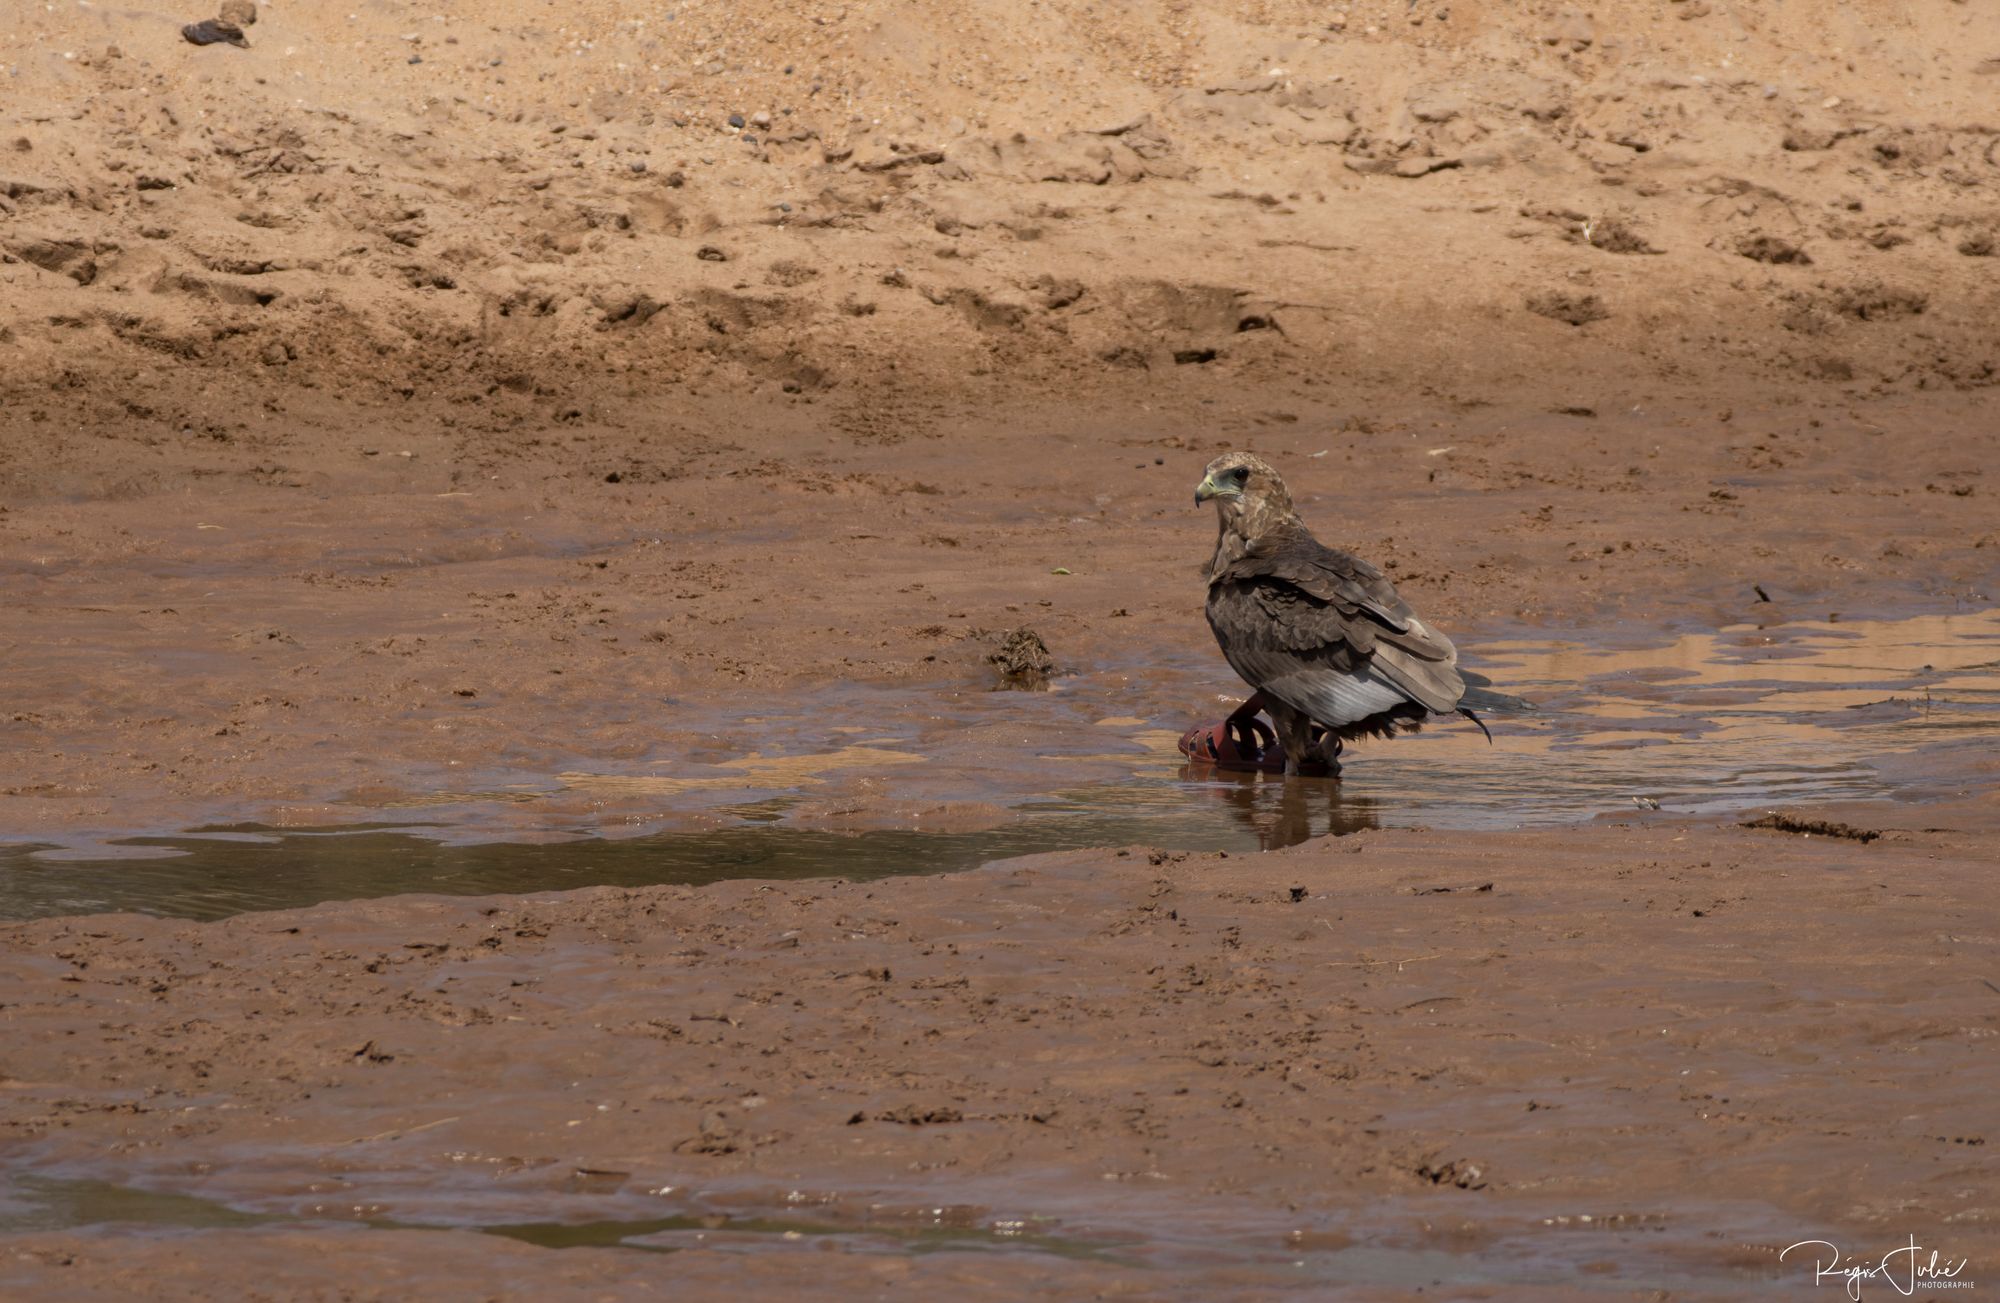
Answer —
1242 486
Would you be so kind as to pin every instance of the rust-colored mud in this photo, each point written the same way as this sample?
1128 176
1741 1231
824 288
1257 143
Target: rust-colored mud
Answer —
1633 1057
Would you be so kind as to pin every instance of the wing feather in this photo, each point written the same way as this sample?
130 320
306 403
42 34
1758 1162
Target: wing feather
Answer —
1327 634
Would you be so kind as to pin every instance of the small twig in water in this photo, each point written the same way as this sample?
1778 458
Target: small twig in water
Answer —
401 1131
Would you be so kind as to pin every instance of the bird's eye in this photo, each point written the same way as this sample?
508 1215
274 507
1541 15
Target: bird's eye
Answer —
1242 474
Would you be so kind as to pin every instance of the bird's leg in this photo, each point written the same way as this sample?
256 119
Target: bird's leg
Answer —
1255 703
1327 752
1294 735
1241 725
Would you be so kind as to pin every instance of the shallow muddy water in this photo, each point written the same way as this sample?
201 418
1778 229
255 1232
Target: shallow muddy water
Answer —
942 780
42 1203
1396 1245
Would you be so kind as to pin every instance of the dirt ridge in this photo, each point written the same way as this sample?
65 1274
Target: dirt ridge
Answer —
1389 194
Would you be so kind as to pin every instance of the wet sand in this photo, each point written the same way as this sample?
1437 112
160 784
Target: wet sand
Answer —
1737 721
410 402
1623 1058
376 638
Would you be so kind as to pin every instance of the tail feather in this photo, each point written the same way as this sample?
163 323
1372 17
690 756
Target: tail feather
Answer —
1479 695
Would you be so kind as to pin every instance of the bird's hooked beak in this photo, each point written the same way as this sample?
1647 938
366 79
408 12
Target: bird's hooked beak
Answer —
1208 488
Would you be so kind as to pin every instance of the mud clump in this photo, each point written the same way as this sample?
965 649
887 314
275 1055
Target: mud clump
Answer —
1614 235
1570 309
1023 661
1871 302
1610 232
1771 249
1452 1172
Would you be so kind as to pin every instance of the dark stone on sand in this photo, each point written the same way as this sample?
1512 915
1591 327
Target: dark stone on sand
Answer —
213 31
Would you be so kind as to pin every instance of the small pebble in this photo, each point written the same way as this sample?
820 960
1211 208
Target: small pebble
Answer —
416 58
243 13
637 165
736 119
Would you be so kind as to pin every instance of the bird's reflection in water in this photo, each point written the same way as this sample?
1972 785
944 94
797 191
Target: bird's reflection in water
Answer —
1284 813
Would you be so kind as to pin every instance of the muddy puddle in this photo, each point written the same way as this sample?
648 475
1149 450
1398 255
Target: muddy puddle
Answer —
866 782
1397 1245
43 1203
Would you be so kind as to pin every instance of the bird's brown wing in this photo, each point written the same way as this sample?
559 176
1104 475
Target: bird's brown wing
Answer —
1326 633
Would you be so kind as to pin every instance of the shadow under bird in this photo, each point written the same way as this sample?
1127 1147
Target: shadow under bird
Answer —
1332 651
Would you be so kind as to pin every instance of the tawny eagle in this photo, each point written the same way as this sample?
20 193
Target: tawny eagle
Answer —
1332 652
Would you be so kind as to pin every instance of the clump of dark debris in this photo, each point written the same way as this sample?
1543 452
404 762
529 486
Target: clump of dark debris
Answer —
1023 661
1456 1172
1813 827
